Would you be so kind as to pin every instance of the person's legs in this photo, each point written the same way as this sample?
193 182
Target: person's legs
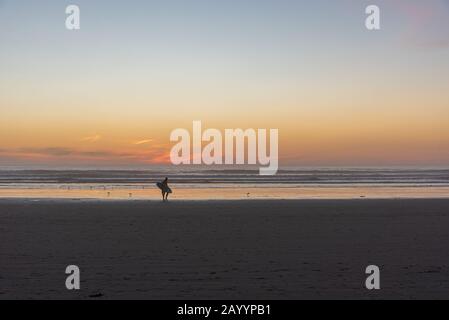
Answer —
163 196
166 196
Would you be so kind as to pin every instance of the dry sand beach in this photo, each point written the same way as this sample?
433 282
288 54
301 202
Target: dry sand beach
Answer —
249 249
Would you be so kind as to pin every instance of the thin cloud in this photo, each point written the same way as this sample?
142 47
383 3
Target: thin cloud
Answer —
92 138
139 142
62 152
155 155
57 152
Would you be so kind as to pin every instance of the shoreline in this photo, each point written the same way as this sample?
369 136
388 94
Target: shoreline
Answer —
216 200
250 193
243 200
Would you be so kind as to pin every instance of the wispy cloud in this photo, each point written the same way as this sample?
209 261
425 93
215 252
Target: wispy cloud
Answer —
64 152
139 142
155 155
56 152
93 138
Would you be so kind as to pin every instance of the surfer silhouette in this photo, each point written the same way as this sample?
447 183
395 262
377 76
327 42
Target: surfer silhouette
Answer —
165 189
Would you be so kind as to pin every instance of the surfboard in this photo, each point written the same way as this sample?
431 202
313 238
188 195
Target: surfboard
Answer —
161 186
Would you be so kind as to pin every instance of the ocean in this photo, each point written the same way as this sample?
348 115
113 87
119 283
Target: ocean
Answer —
206 183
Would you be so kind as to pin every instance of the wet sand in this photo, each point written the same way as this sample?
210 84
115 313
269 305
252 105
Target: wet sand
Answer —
247 249
232 192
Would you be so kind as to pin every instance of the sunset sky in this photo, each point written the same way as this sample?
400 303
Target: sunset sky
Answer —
111 93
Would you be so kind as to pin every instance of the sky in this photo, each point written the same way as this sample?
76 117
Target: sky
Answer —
111 93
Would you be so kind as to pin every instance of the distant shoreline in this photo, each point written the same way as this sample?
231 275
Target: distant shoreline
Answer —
236 193
179 201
